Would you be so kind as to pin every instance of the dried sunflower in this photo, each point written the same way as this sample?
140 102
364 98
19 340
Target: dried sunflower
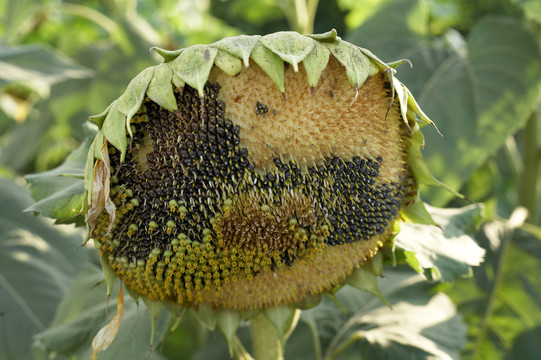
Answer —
254 174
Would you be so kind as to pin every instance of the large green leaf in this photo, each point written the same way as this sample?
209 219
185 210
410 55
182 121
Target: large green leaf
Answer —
421 324
22 142
526 346
37 66
502 303
478 90
83 312
448 249
37 264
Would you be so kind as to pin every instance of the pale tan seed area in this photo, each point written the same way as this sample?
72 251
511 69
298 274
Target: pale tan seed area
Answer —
308 126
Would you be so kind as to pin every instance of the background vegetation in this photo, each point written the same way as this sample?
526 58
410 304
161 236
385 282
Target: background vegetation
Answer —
476 73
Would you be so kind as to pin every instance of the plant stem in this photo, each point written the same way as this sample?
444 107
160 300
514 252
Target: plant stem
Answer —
514 157
239 352
528 180
315 339
300 14
266 343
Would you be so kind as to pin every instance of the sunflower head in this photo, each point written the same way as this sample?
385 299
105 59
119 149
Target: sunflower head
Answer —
252 173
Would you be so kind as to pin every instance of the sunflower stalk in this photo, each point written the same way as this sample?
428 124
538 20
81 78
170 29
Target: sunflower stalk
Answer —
239 352
267 344
528 188
300 14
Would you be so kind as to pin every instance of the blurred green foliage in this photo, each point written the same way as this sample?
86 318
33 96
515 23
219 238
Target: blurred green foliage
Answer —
477 74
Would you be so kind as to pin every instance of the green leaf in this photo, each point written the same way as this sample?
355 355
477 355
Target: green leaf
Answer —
16 14
526 346
20 145
37 263
531 8
38 67
421 324
281 317
167 55
503 300
447 250
420 168
100 118
207 316
364 280
290 46
59 192
228 322
401 93
416 212
478 90
84 311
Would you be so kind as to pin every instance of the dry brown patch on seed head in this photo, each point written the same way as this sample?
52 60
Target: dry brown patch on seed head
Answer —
252 224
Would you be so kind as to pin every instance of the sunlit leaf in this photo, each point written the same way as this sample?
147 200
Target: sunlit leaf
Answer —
421 324
446 250
510 282
37 66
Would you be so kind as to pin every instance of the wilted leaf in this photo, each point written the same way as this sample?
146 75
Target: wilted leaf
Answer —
105 337
100 190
